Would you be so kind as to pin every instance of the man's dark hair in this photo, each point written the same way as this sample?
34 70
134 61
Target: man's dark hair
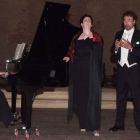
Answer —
131 14
86 15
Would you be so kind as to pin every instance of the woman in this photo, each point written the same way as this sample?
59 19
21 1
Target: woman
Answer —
85 55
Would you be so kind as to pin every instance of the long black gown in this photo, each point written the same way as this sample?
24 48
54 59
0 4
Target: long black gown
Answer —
85 84
81 79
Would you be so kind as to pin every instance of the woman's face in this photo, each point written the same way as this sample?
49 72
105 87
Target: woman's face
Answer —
86 23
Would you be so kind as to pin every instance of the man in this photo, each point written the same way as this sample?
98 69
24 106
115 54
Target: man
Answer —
127 48
5 112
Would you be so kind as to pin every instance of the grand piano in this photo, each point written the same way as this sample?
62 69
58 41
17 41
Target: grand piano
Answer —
50 44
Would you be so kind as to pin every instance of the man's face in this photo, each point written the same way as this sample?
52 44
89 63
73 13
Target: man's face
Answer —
128 22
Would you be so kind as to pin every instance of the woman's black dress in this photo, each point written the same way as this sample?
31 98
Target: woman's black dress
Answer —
85 83
81 79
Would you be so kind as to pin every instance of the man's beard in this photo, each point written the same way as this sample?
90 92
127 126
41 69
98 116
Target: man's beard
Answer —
127 27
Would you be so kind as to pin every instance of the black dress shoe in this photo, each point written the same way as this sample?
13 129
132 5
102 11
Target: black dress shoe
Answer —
115 128
12 123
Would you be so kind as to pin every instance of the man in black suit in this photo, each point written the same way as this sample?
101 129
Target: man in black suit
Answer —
6 115
127 48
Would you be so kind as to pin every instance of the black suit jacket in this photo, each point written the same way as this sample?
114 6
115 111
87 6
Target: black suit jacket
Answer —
134 56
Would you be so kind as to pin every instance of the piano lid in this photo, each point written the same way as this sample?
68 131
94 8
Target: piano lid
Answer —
54 33
50 45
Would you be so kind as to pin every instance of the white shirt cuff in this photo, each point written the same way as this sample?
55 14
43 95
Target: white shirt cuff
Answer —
131 49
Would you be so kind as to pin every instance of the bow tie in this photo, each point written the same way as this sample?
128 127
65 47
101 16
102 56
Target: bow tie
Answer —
127 32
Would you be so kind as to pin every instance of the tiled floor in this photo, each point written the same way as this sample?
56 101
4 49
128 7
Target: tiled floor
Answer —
52 125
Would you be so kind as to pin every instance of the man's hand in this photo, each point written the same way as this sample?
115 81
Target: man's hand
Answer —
1 73
117 44
4 74
126 44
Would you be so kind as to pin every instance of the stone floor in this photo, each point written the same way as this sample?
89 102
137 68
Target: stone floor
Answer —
52 125
59 98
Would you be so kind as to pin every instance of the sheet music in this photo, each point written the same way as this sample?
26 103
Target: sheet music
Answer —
19 51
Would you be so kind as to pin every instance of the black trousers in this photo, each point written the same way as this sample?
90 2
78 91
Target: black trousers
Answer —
5 111
127 79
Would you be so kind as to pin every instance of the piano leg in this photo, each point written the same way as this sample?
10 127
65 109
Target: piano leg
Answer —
23 107
28 94
14 98
27 101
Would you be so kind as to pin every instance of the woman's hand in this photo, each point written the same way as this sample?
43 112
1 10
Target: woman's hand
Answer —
66 59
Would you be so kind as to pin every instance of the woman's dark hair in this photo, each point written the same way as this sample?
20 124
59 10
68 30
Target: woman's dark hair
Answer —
131 14
86 15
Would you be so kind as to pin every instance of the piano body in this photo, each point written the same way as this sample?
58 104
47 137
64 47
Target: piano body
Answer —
49 46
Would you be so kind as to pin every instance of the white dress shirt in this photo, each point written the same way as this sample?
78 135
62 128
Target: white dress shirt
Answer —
127 35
